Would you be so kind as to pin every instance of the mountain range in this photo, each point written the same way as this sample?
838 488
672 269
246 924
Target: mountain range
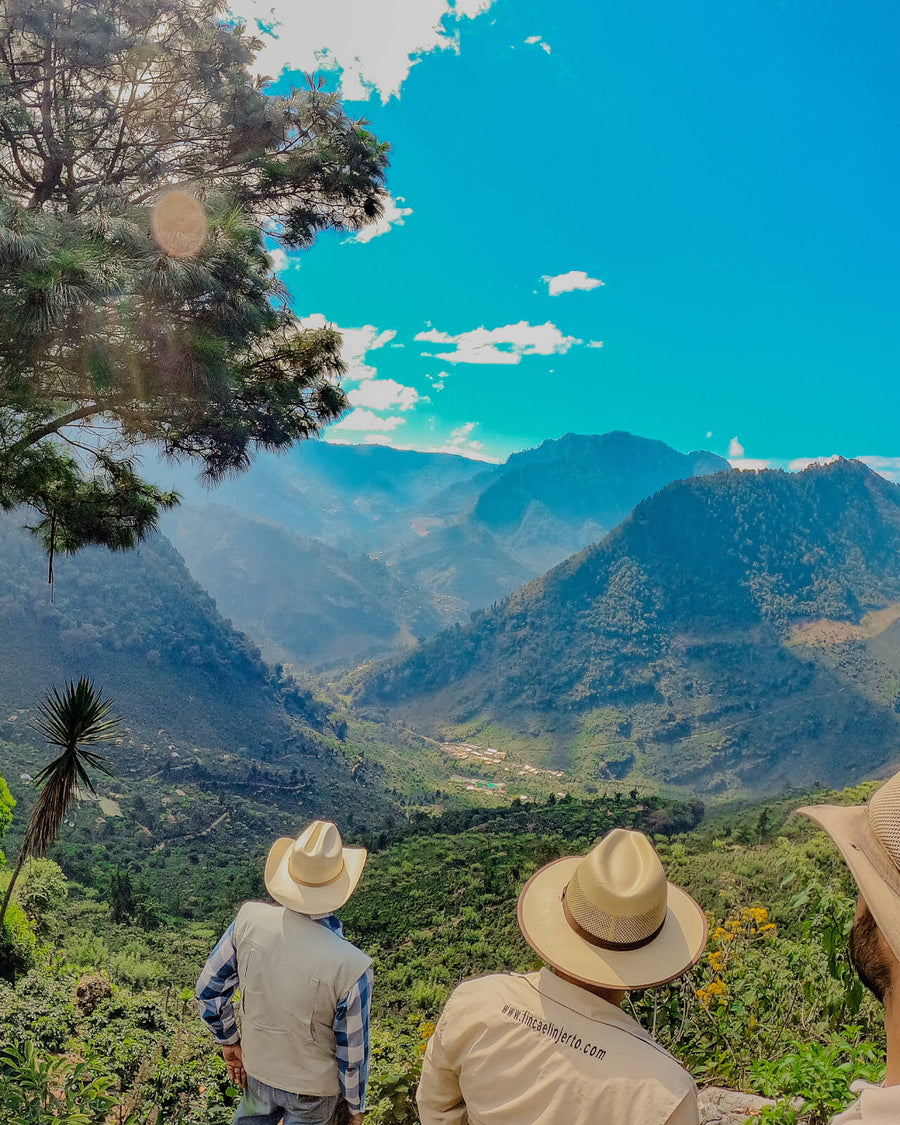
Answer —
739 631
333 554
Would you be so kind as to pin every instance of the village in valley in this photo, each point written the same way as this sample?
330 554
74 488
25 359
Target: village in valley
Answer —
488 755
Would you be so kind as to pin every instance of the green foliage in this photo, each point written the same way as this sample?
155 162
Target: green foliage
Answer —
7 804
37 1090
69 721
108 325
818 1075
41 890
18 943
771 1008
38 1009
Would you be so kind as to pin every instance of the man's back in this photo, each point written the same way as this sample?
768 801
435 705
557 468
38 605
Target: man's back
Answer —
533 1049
293 973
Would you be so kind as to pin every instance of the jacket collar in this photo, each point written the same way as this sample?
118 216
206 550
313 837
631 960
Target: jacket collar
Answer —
587 1003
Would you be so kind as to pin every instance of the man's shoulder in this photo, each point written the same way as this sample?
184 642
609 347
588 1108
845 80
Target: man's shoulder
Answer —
257 911
476 990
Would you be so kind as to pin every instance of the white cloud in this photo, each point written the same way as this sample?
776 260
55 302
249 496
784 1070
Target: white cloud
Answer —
567 282
472 451
393 216
750 464
735 449
537 41
382 394
280 260
437 381
595 343
357 343
887 467
737 459
461 439
364 421
709 433
801 463
460 442
373 43
500 345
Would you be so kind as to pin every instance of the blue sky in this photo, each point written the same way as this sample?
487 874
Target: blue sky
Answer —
729 172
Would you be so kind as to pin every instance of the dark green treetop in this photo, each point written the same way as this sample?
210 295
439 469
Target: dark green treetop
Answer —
131 316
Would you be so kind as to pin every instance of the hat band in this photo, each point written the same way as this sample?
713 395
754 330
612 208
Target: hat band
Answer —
604 943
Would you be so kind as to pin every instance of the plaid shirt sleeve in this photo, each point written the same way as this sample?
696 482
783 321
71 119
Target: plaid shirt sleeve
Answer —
215 989
351 1037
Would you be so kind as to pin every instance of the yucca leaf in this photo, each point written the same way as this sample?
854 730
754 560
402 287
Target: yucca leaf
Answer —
72 719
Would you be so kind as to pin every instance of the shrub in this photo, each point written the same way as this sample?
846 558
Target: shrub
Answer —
18 945
36 1090
819 1074
41 889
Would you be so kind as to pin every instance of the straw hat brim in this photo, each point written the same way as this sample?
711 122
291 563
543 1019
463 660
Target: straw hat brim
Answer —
870 865
677 947
311 900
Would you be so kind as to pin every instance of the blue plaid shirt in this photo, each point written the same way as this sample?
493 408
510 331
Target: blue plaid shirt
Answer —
219 979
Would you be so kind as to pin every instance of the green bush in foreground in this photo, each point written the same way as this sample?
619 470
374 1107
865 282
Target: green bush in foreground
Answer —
773 1007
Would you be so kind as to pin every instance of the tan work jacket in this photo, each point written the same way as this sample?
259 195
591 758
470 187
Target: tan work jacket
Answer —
532 1049
876 1105
293 972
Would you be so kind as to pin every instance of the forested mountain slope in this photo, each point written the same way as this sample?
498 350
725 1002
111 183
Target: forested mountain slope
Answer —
196 698
540 507
296 550
571 492
305 602
691 646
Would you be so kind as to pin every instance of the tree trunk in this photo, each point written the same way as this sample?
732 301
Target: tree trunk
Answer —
9 889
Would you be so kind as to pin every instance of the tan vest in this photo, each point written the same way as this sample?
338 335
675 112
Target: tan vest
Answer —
292 972
532 1049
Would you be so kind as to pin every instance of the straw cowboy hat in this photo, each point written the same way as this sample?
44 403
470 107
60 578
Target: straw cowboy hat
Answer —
314 874
869 839
610 918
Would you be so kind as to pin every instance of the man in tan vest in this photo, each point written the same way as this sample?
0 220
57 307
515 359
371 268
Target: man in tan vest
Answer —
553 1047
869 839
303 1043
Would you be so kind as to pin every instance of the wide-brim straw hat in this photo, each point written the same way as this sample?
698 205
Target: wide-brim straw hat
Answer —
314 874
610 918
868 837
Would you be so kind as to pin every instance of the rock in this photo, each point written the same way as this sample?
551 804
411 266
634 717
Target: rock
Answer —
719 1106
90 992
729 1107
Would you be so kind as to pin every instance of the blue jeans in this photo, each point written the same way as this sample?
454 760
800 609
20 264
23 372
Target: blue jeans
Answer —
264 1105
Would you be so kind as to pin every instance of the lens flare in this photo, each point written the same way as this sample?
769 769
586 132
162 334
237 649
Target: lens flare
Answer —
179 224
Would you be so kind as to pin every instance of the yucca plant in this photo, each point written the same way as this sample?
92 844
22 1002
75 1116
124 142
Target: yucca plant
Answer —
78 717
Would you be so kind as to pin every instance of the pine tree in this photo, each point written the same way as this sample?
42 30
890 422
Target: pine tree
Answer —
142 167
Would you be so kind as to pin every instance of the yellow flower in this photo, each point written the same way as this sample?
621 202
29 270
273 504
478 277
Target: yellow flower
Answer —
759 914
716 960
426 1030
768 928
716 989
